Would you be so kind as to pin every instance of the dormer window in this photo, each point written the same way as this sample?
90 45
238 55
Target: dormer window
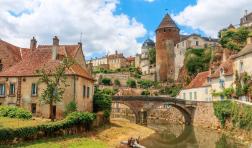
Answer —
222 71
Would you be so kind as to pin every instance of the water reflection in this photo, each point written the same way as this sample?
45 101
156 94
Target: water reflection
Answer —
181 136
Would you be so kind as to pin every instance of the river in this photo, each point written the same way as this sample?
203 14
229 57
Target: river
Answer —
181 136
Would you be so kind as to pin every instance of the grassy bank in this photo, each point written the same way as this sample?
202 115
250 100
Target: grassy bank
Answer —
105 137
17 123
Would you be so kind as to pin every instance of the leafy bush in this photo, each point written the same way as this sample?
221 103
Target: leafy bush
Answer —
73 119
131 83
171 90
117 82
240 115
106 81
71 107
197 60
14 112
145 84
145 93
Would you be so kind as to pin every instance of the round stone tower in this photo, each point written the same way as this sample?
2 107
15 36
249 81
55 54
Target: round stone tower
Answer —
167 36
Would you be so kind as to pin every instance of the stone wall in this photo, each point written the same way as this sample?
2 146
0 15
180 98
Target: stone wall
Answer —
203 116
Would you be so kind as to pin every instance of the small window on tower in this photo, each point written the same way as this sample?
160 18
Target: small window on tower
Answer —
1 65
164 30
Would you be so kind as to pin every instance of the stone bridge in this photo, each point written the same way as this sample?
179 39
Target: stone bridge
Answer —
142 105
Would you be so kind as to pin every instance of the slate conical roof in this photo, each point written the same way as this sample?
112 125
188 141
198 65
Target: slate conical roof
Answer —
167 22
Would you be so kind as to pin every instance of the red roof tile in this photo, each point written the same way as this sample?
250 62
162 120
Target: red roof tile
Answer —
41 58
227 67
199 81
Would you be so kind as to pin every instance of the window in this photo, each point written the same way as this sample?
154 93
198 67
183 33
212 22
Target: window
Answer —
197 43
1 65
222 83
206 90
88 92
190 95
184 96
241 66
2 90
33 108
12 89
34 89
84 91
221 71
195 95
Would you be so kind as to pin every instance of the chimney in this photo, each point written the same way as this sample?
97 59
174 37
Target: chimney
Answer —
56 41
80 44
116 52
33 43
249 39
54 47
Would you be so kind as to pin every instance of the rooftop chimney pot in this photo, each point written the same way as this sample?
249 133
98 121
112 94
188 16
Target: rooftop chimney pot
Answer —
33 43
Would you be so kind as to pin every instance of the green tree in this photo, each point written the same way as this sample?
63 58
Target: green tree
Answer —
55 82
234 39
131 83
152 55
102 101
197 60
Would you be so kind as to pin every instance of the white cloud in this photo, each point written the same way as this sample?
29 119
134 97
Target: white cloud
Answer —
103 31
212 15
150 1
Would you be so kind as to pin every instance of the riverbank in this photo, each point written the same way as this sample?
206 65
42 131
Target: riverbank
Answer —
108 136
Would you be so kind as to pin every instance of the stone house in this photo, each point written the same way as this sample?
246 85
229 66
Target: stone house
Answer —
99 63
117 61
19 84
131 61
191 41
198 90
246 20
243 59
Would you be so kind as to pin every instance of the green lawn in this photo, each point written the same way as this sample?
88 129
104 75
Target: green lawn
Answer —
73 141
16 123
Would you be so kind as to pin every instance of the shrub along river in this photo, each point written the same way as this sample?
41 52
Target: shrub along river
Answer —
181 136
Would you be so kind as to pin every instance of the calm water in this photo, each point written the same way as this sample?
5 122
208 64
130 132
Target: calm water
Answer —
181 136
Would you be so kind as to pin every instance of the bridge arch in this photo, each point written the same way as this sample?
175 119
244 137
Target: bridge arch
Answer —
187 113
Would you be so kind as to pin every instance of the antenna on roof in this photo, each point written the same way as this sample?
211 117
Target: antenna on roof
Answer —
81 37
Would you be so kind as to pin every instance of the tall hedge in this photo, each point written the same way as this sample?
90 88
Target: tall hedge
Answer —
73 119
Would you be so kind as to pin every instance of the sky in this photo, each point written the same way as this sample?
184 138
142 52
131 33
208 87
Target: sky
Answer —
109 25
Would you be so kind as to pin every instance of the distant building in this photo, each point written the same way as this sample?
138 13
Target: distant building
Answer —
99 63
167 36
246 20
117 61
19 82
190 41
198 90
131 61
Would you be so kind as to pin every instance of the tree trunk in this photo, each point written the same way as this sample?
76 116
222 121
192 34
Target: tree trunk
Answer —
51 111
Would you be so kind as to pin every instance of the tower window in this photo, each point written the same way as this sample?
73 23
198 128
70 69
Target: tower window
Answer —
1 65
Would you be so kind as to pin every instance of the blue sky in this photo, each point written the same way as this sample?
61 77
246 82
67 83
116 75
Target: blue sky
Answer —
109 25
151 13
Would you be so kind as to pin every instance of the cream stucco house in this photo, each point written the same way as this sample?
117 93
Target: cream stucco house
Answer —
198 90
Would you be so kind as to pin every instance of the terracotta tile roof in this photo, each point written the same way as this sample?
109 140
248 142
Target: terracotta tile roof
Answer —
227 67
13 50
199 81
66 50
167 22
131 59
246 50
41 58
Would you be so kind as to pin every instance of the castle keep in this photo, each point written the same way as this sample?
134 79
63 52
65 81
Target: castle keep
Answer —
167 36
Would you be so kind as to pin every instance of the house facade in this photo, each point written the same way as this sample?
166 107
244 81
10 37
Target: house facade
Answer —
246 20
198 90
19 83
